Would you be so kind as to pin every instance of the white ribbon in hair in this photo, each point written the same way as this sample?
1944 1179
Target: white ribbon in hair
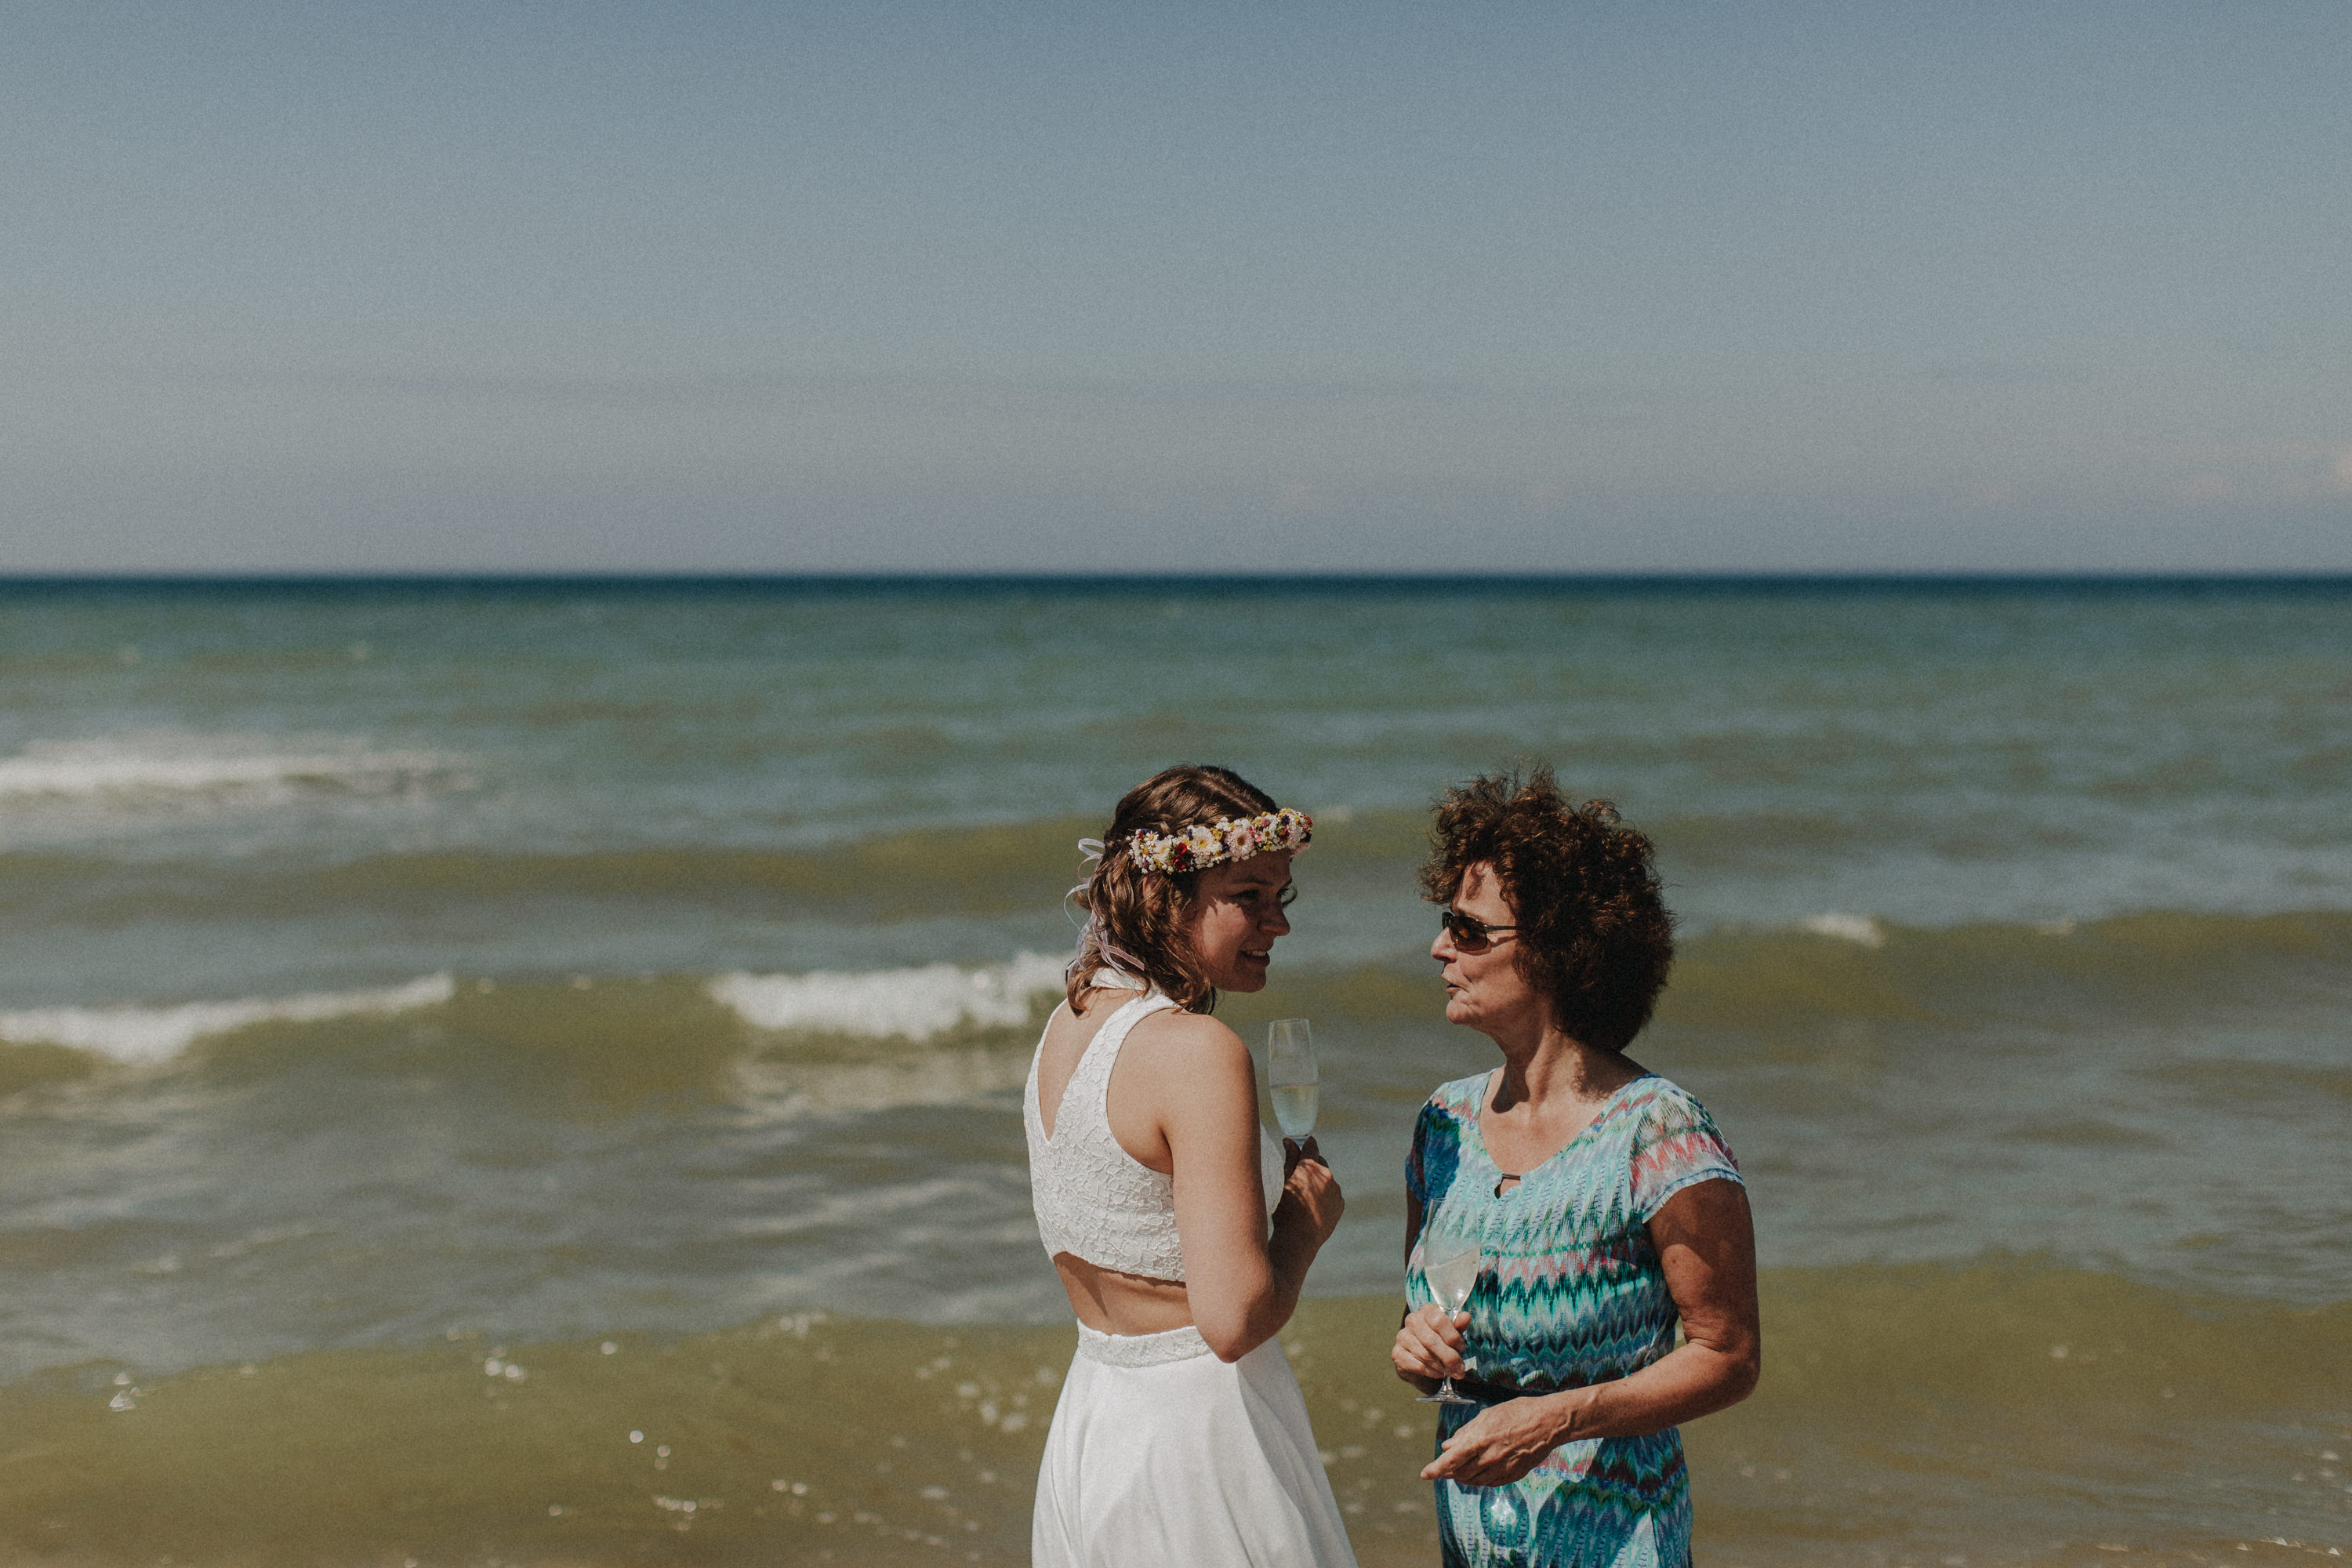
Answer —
1090 933
1092 849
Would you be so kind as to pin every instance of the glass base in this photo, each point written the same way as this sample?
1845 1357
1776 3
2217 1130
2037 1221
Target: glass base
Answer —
1444 1396
1503 1517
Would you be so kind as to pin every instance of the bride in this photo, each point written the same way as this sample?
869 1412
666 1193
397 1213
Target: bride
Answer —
1181 1438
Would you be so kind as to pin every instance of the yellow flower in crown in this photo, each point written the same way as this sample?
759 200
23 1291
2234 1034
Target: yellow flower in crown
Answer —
1207 843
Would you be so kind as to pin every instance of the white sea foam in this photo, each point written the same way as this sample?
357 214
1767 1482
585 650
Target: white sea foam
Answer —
131 1034
1861 929
167 765
919 1004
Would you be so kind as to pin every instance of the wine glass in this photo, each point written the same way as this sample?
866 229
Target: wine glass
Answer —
1449 1261
1290 1070
1504 1517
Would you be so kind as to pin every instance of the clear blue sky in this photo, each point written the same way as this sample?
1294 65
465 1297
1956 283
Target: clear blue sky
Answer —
1122 286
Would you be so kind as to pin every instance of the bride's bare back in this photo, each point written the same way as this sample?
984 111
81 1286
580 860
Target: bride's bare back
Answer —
1182 1101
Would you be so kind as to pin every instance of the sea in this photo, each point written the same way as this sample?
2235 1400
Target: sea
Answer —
528 1072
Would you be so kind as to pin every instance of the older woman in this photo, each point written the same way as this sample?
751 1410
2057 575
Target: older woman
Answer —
1181 1231
1605 1205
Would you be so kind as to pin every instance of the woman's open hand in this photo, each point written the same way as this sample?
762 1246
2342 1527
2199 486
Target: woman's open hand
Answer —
1498 1445
1429 1346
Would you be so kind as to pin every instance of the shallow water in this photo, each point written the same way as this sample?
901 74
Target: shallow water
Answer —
2005 1414
551 965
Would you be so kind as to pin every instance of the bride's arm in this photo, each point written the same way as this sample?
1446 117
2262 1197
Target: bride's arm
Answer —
1243 1287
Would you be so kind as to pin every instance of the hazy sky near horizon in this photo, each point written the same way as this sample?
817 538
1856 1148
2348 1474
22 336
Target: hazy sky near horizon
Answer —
714 286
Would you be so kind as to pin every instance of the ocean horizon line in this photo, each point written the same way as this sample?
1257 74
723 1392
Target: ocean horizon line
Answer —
1217 584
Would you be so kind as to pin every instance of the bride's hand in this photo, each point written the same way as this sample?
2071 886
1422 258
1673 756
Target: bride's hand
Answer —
1310 1191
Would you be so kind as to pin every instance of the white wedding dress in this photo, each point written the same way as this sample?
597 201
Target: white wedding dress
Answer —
1161 1454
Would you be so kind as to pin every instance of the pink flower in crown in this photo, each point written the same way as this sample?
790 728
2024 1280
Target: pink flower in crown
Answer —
1241 840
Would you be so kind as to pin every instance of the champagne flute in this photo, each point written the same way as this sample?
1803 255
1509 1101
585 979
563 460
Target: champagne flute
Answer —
1290 1071
1504 1516
1449 1261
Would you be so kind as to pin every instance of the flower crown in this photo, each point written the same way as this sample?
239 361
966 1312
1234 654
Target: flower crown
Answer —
1227 839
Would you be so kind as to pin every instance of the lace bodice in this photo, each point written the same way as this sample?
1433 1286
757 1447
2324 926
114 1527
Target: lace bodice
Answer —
1096 1201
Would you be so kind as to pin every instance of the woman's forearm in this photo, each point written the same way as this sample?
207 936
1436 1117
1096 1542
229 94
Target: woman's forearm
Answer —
1692 1381
1706 1248
1289 1254
1267 1304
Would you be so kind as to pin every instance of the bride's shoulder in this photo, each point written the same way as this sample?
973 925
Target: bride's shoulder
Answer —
1189 1040
1195 1028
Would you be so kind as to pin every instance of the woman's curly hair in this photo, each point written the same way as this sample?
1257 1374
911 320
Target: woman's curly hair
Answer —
1594 935
1140 921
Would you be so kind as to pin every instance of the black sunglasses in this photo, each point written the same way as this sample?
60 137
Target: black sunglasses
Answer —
1470 933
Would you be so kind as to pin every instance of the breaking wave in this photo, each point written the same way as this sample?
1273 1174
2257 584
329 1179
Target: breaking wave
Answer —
782 1045
1859 929
919 1004
152 1034
939 1031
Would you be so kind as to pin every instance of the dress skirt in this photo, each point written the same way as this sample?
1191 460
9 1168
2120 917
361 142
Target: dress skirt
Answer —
1164 1457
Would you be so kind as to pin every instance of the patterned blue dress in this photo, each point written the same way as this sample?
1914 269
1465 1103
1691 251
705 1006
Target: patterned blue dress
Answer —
1570 1292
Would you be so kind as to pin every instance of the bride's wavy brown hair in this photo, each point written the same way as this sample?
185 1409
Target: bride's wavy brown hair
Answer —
1140 920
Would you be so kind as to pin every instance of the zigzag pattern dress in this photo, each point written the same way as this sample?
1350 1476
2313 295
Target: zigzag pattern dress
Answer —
1570 1292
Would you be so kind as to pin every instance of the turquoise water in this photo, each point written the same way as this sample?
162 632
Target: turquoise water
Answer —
385 962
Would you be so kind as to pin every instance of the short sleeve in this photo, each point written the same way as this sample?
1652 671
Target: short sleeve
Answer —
1416 1179
1675 1146
1436 1152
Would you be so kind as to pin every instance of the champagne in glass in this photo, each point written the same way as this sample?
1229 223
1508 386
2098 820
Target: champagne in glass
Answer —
1449 1261
1290 1070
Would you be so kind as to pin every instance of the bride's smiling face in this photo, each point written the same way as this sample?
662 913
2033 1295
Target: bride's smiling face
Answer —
1237 917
